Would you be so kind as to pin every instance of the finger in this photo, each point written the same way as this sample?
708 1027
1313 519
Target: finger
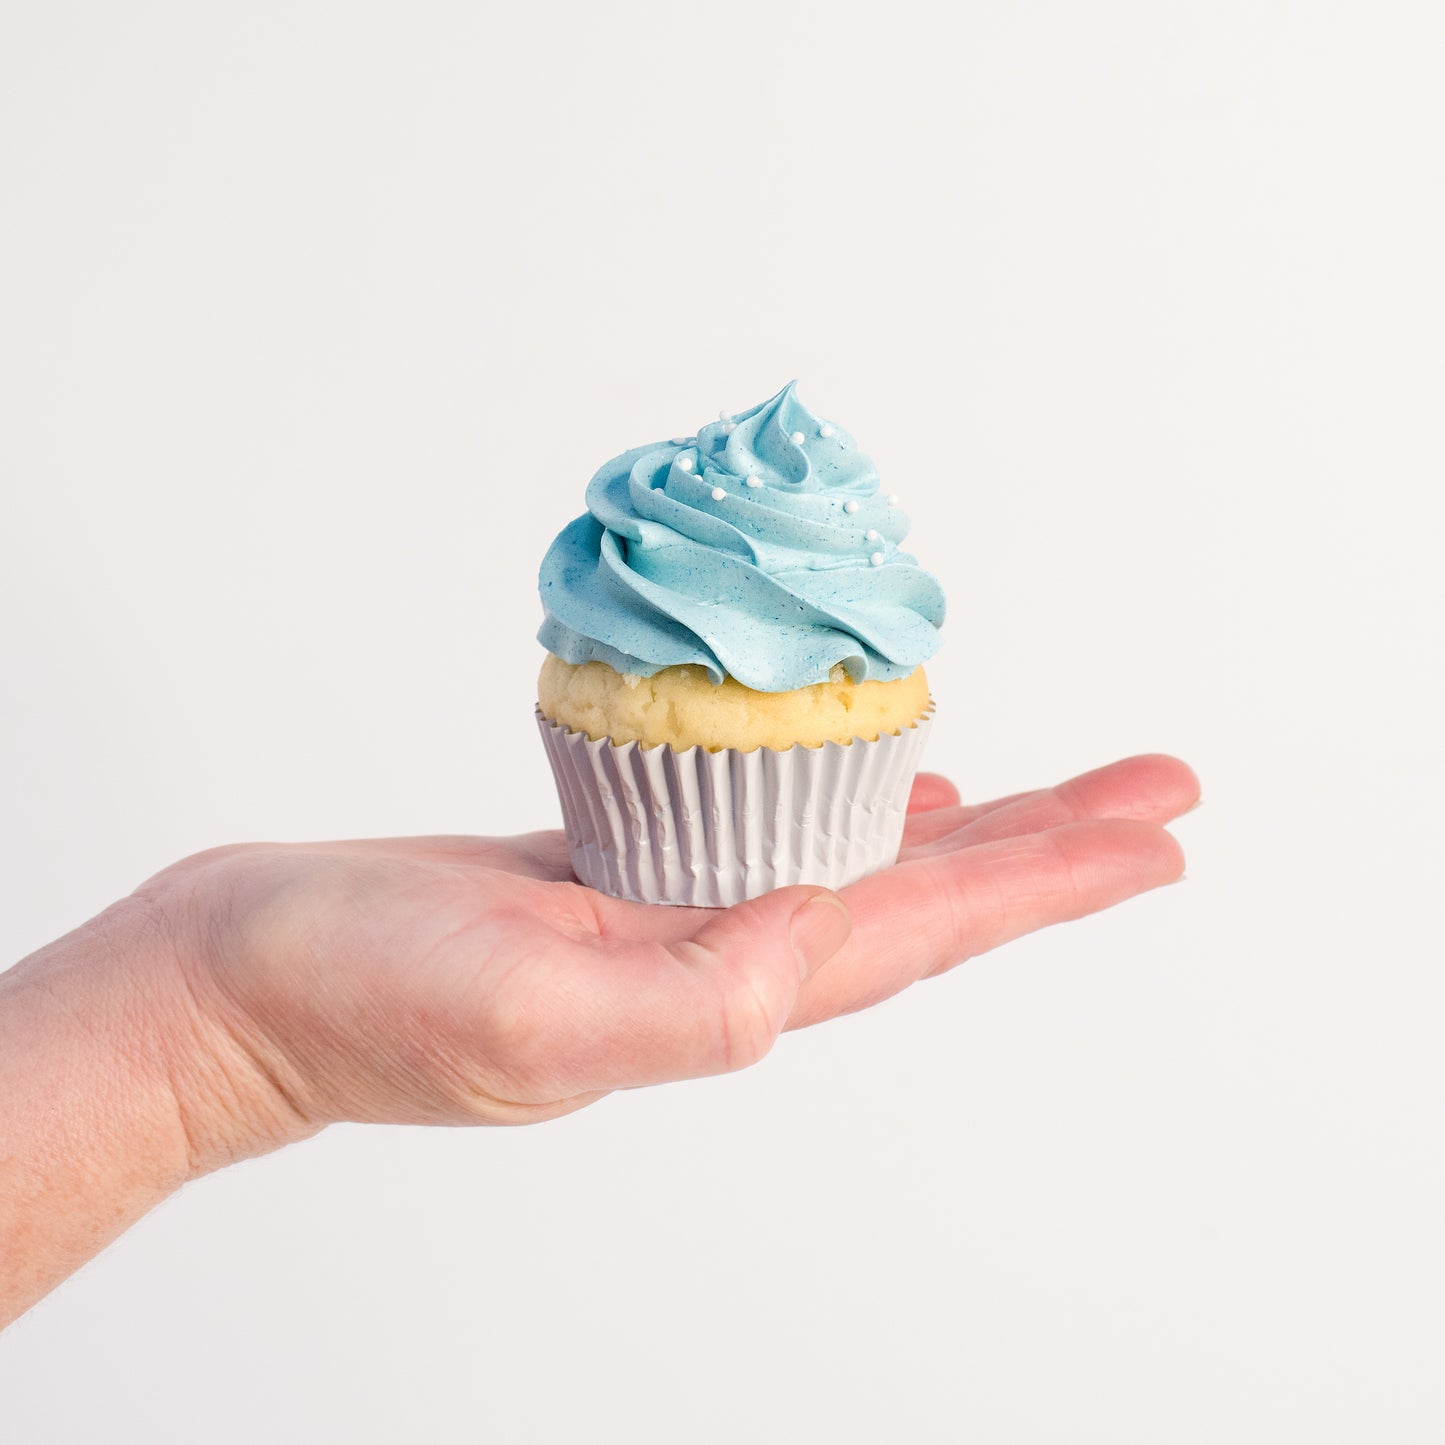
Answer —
930 791
1152 787
941 821
920 918
623 1014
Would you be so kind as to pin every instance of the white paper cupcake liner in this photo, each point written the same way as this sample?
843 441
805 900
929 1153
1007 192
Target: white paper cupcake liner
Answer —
712 829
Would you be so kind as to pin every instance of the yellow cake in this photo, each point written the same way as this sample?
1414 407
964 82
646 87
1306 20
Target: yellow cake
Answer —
683 708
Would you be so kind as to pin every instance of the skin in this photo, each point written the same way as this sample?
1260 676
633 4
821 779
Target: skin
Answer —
247 997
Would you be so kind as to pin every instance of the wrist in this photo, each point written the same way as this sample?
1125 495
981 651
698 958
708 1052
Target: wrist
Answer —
116 1087
198 1093
231 1094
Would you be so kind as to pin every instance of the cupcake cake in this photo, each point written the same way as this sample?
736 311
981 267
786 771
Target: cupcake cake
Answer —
734 696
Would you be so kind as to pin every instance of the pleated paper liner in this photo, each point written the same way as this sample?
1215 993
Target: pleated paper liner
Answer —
712 829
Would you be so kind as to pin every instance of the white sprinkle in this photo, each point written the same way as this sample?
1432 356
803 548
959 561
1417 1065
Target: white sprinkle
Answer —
892 499
870 535
825 430
876 559
718 494
681 441
727 426
850 506
724 416
797 439
631 679
684 464
755 481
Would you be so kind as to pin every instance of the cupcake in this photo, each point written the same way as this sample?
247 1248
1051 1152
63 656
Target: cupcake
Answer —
734 697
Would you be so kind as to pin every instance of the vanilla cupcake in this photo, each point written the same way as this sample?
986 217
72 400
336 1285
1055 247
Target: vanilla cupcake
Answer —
734 696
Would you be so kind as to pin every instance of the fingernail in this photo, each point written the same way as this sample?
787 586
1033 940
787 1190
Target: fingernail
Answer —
818 930
1198 802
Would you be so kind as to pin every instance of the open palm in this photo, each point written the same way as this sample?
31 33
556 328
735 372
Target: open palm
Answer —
472 980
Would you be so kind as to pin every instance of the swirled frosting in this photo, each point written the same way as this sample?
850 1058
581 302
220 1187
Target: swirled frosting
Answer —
759 549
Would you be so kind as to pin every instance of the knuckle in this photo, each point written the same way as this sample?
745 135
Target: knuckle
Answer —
752 1019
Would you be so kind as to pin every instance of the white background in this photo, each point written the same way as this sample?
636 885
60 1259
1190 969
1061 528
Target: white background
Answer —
314 321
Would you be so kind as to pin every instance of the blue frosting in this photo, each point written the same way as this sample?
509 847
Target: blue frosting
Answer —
680 559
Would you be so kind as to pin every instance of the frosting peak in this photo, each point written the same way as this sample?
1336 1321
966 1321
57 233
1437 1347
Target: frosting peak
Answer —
784 443
758 549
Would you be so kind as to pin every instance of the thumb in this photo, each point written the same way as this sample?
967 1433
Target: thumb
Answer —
623 1014
818 930
648 1013
812 922
753 957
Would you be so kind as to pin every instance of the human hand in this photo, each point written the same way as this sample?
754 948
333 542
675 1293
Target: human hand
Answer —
459 980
